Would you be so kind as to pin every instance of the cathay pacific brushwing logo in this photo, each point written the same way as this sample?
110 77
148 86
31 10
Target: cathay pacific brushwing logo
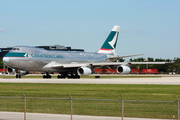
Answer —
26 55
112 43
16 54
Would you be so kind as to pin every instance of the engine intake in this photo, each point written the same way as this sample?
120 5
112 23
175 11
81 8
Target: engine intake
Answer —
13 71
84 71
123 69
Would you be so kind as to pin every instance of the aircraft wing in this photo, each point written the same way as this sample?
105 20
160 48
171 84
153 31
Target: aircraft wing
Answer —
135 63
56 65
126 63
69 65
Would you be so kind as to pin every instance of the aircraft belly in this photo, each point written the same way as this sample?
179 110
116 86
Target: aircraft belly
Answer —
31 65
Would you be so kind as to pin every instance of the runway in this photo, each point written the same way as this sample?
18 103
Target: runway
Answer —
155 81
43 116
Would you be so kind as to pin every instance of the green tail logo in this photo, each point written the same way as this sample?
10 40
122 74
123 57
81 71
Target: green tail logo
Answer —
109 45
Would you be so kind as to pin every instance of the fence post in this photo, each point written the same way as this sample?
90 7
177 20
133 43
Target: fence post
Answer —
178 105
71 105
122 107
24 106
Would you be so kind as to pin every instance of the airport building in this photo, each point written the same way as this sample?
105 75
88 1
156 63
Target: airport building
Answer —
4 51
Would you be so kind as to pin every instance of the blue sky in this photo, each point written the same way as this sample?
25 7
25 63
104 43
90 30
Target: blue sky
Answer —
149 27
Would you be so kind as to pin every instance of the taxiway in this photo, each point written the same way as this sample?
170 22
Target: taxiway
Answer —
158 81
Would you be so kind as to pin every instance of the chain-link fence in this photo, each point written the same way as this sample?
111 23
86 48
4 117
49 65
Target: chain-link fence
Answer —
94 107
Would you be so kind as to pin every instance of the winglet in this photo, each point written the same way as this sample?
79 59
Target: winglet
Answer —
109 45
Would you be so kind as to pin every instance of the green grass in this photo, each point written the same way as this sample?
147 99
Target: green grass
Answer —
92 91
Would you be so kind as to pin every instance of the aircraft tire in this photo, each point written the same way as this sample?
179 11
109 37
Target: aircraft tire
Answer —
47 76
60 77
78 77
44 76
74 77
18 76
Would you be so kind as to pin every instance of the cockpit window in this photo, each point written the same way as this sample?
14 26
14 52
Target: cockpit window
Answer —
15 49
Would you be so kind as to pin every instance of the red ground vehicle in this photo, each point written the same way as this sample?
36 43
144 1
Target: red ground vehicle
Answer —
150 71
105 71
5 70
133 71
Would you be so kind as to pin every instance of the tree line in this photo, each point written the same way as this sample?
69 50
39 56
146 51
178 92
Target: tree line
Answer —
1 63
162 68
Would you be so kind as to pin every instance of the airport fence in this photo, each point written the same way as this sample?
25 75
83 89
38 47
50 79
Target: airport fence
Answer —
94 107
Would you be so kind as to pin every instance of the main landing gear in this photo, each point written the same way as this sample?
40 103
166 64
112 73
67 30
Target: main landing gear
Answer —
69 76
63 76
18 75
47 76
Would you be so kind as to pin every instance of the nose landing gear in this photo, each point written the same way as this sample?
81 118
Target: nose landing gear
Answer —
18 74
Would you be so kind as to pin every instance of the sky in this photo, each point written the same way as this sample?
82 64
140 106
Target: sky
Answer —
149 27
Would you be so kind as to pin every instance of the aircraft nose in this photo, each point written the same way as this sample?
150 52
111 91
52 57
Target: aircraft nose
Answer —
5 60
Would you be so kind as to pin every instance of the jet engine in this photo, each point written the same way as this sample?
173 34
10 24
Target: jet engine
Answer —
123 69
84 71
13 71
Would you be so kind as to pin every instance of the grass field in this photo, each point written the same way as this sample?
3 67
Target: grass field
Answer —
92 91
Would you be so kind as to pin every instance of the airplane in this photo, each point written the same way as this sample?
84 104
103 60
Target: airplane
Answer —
70 64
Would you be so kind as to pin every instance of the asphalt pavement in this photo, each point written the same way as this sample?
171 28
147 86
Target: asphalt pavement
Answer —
43 116
162 80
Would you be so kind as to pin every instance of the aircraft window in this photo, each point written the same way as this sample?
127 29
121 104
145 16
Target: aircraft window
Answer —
15 49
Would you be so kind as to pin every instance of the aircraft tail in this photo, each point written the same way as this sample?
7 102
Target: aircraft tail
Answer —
109 45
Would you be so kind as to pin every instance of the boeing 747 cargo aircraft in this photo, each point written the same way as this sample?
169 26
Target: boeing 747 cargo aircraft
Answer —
69 64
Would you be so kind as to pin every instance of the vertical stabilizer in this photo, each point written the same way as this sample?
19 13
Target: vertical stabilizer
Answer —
109 45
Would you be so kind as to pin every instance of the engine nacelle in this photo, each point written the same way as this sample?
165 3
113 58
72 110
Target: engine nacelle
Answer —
13 71
84 71
123 69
